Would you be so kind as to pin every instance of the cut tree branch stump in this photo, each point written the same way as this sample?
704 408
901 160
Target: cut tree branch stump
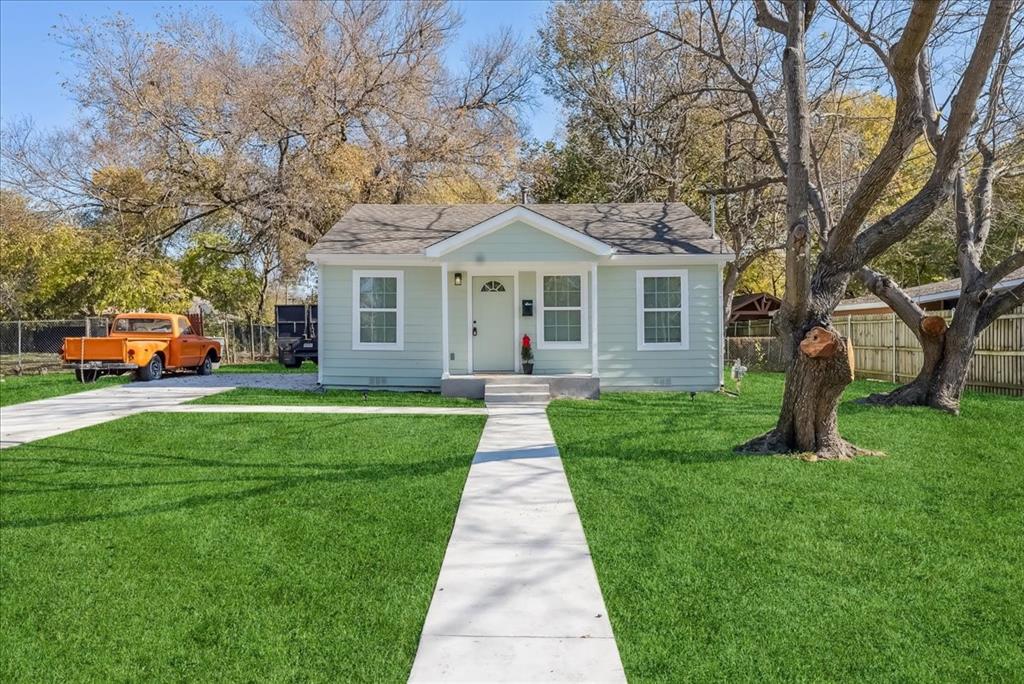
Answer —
820 343
933 326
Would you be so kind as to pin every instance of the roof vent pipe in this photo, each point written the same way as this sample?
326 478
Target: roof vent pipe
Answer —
714 202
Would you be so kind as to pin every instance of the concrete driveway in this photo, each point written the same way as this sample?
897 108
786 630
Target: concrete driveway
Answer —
34 420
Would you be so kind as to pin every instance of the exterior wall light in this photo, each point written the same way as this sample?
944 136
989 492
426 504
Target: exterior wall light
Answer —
458 278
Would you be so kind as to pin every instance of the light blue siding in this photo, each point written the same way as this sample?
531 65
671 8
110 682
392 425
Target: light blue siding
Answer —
518 242
458 330
548 361
622 366
418 364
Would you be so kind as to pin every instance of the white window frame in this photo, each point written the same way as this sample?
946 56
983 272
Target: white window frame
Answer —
584 342
683 309
399 343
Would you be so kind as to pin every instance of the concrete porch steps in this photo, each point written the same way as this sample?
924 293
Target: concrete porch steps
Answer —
491 386
517 393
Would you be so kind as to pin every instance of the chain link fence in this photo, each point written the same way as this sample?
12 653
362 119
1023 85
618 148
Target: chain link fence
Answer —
28 347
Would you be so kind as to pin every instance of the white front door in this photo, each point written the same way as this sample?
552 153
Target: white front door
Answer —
493 346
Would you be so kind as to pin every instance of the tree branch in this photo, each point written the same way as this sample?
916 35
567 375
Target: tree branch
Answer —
998 305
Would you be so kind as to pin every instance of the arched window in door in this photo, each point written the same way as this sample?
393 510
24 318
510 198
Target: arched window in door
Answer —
492 286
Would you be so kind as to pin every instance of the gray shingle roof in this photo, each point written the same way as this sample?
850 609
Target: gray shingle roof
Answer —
649 228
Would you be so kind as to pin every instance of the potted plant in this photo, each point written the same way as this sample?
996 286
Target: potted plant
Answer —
526 353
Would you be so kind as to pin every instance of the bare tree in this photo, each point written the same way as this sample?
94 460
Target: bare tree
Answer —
998 155
662 122
852 234
821 365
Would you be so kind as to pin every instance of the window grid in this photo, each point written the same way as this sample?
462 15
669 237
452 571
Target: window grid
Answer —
562 299
377 303
661 322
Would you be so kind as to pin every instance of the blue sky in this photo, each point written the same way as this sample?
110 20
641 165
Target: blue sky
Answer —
32 64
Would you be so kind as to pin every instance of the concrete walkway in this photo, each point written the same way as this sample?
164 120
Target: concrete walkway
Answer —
34 420
298 408
517 598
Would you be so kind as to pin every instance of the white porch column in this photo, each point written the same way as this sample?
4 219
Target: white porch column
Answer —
444 319
321 311
593 320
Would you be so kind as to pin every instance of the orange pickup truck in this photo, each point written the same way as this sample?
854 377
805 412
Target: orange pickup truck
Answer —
148 344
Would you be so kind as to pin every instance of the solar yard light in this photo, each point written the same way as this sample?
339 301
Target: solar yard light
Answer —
737 373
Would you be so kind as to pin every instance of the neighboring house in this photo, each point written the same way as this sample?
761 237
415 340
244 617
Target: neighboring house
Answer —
418 296
756 306
941 296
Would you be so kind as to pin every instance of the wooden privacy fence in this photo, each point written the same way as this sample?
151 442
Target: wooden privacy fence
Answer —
886 349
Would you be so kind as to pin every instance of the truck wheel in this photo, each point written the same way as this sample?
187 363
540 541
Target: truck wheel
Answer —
86 375
206 367
152 370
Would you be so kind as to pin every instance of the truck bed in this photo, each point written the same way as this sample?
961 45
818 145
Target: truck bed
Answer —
85 349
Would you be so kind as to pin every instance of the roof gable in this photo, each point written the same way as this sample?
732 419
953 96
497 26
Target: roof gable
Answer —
527 216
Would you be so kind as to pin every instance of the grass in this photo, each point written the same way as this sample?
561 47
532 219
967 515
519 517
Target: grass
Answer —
222 548
17 389
717 566
252 395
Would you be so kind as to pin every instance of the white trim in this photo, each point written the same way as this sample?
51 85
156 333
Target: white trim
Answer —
684 310
668 260
410 260
517 361
444 321
468 283
593 321
399 343
320 309
721 331
527 215
583 307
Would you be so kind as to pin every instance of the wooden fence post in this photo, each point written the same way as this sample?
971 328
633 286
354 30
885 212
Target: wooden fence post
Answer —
894 347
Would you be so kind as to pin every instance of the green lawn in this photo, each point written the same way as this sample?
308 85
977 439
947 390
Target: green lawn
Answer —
717 566
16 389
251 395
226 548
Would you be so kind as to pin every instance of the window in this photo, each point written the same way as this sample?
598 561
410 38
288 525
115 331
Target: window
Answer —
661 311
185 327
563 311
492 286
377 303
153 325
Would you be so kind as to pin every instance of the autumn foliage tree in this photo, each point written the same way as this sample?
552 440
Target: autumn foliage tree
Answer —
272 136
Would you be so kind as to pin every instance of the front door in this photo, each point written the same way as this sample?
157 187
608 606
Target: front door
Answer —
493 344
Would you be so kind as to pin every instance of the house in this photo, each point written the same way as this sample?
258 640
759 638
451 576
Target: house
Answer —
622 296
941 296
754 306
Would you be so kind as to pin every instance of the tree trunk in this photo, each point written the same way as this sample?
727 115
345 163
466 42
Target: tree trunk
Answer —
820 371
947 359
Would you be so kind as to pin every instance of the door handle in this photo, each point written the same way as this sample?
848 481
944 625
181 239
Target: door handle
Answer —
474 328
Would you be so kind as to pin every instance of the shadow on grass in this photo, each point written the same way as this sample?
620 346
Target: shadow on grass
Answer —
42 468
371 472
